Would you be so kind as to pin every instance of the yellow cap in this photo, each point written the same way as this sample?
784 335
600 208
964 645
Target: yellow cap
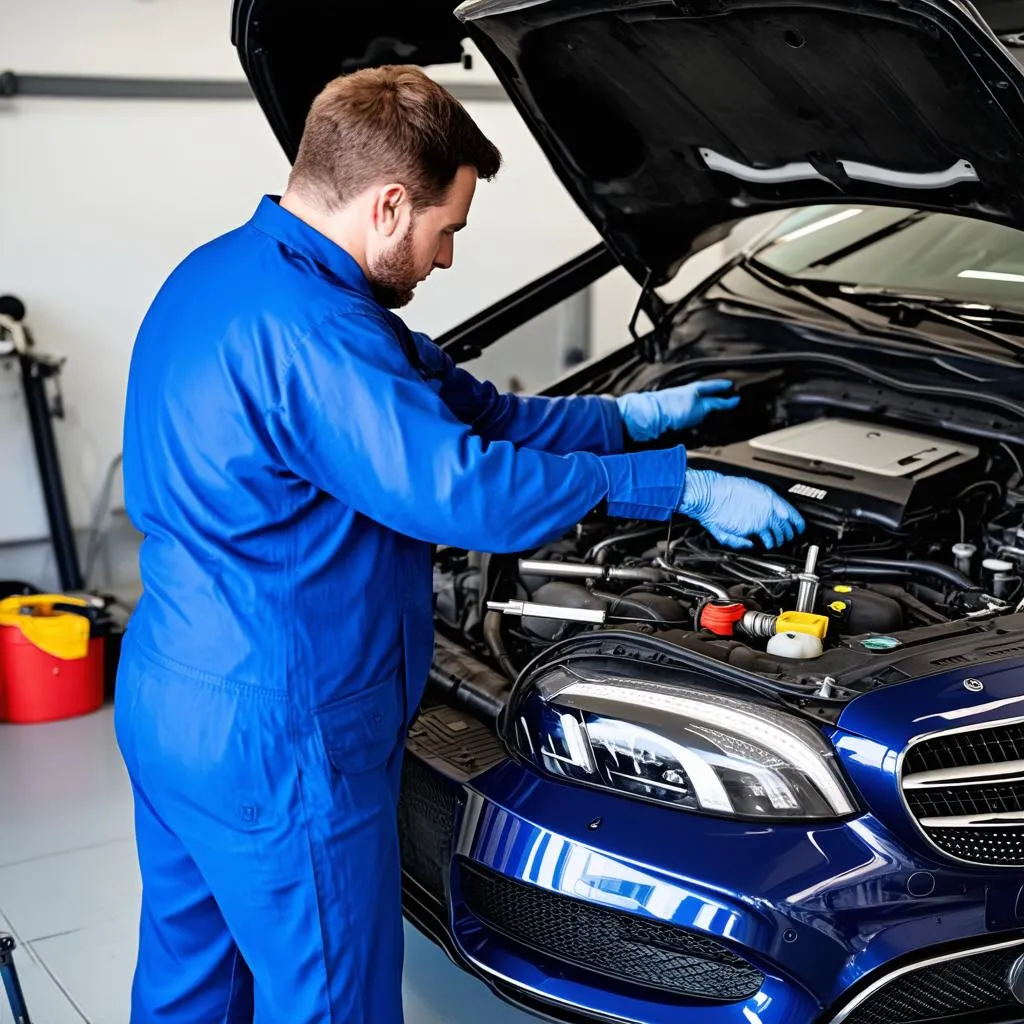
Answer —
842 589
838 606
802 622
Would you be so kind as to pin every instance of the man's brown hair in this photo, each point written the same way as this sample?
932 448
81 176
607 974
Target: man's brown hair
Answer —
387 124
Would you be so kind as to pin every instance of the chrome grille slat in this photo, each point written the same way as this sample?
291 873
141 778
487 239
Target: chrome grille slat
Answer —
970 821
975 801
972 775
991 745
965 790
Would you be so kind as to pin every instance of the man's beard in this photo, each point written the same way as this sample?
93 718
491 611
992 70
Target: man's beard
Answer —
393 276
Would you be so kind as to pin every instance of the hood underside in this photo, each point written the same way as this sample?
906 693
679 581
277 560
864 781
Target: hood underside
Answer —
668 120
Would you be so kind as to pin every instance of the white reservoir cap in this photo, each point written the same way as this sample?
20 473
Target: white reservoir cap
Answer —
997 565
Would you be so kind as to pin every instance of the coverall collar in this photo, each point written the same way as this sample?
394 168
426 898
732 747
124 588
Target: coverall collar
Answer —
294 233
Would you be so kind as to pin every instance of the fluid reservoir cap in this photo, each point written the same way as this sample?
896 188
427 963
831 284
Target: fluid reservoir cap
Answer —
843 589
964 550
795 645
838 606
721 618
803 622
997 565
880 643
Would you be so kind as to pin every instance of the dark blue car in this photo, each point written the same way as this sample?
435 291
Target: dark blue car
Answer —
658 781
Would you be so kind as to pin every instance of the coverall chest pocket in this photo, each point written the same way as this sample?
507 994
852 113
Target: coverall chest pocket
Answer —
360 732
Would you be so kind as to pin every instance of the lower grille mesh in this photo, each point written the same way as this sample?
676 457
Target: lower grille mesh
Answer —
971 988
982 845
426 818
610 942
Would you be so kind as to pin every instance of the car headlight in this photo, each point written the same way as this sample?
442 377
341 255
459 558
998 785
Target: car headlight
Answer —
680 746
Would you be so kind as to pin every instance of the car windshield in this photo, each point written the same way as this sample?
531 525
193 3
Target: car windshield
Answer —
904 252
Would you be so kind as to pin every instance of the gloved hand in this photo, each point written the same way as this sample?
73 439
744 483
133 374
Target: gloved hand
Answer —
649 414
734 508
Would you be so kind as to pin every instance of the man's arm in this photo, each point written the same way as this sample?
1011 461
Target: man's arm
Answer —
356 420
582 423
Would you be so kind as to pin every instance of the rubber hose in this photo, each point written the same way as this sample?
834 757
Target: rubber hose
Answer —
492 635
910 602
467 682
614 600
878 567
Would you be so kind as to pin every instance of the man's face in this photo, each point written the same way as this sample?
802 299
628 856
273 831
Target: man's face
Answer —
423 239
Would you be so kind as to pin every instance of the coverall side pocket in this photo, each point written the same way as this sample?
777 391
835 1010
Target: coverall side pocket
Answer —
360 732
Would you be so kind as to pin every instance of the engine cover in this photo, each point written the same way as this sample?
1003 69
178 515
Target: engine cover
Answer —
847 469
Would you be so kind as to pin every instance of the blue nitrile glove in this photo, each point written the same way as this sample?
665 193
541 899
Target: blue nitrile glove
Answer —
733 508
649 414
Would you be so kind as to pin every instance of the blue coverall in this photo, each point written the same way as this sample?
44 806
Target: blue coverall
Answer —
291 450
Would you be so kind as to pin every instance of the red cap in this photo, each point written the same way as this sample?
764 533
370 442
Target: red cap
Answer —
721 618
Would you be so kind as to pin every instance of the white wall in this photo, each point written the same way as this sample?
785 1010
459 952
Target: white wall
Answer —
154 38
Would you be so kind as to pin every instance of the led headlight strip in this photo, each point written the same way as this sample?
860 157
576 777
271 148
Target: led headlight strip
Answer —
756 727
769 747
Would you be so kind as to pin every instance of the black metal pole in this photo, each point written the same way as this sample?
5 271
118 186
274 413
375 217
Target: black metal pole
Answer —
34 371
11 983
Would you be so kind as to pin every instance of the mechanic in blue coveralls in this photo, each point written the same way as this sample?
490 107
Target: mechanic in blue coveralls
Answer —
291 451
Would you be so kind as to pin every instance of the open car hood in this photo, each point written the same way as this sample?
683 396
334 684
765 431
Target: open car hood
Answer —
669 120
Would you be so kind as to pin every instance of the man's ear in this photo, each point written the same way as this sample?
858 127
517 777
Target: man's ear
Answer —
389 208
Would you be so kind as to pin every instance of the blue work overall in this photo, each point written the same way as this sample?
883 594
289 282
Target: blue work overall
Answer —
291 450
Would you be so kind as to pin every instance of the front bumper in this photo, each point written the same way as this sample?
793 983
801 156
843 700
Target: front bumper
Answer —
585 906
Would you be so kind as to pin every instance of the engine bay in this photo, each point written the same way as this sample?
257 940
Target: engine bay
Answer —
914 547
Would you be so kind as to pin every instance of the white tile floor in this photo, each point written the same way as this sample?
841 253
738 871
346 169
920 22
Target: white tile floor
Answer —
69 887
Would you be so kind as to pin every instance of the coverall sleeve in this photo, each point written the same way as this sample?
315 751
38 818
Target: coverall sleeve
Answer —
353 418
583 423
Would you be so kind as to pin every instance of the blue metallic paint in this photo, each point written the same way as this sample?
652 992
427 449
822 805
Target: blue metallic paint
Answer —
816 908
896 714
876 728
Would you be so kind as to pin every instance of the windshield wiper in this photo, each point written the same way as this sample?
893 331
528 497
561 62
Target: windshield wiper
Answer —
909 310
824 300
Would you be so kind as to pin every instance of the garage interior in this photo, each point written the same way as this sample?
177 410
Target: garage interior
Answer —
131 136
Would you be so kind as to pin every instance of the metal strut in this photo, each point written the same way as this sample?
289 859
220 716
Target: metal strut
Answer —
9 973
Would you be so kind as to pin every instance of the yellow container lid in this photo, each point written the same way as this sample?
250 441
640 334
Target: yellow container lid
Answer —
62 634
802 622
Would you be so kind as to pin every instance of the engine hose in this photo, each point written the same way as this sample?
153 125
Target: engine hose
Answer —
869 568
909 602
693 580
614 600
492 635
468 683
759 625
599 552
